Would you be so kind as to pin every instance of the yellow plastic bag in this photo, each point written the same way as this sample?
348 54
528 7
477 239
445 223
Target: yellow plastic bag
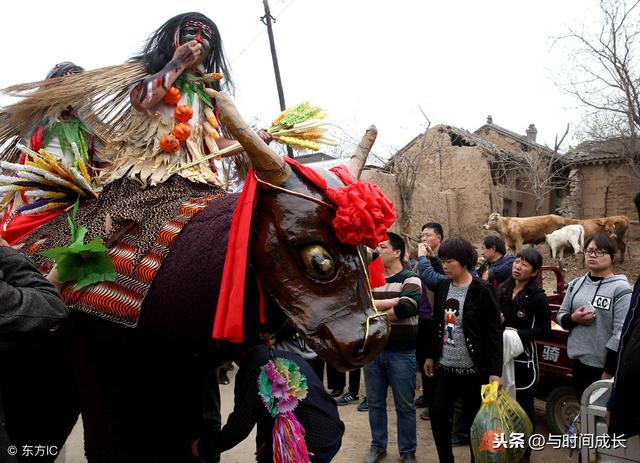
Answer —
500 431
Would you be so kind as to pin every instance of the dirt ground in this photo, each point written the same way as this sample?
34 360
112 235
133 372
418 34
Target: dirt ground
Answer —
355 443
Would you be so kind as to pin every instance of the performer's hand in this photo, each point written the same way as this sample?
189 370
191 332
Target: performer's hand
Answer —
3 242
428 367
188 54
54 277
265 136
495 378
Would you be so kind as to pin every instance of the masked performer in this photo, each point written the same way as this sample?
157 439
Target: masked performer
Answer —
158 119
30 200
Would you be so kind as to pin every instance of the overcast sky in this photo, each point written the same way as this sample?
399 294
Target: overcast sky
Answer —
365 62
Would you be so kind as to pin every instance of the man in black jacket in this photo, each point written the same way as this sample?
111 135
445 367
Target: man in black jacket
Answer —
465 349
36 385
624 407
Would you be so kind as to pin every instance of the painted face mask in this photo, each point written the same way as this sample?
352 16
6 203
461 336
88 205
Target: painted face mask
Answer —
195 30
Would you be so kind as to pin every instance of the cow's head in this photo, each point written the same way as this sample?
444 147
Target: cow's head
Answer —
318 282
492 221
610 229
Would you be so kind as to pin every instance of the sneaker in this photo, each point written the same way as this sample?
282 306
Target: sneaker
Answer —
425 415
409 458
347 399
421 402
459 440
336 392
375 455
363 406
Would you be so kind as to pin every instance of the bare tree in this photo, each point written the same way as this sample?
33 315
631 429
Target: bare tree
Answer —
405 166
605 77
534 172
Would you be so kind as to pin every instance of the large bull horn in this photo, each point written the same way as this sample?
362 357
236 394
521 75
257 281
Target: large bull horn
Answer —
269 166
359 156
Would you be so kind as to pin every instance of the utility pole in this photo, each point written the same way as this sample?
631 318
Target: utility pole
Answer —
267 19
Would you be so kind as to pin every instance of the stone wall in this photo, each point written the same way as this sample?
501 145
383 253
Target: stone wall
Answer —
607 189
500 140
453 187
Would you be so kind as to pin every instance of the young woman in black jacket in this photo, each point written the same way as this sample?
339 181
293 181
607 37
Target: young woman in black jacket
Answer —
525 309
464 351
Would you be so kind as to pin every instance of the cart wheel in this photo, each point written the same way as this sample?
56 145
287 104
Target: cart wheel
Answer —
561 408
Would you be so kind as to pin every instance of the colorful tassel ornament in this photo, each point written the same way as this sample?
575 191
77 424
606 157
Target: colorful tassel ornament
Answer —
281 386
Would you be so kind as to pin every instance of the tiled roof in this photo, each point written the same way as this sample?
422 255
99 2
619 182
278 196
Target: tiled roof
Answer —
596 152
520 138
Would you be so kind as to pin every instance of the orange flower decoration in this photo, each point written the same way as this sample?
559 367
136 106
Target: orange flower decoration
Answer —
172 96
183 113
169 144
181 131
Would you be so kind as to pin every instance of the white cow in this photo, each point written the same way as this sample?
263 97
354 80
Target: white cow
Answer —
569 235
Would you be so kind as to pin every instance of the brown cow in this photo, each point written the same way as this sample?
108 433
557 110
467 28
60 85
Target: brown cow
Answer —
616 226
517 231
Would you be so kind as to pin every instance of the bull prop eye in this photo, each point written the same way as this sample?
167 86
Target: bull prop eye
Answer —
317 261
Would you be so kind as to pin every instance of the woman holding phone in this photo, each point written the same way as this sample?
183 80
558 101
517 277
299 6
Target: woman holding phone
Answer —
593 311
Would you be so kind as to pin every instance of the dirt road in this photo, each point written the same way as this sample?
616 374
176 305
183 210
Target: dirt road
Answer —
354 444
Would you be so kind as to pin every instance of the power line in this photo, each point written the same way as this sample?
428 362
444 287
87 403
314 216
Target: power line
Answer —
262 31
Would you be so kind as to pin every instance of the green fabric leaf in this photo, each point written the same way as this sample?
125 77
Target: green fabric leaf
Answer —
67 132
70 268
97 269
56 253
84 263
94 246
77 238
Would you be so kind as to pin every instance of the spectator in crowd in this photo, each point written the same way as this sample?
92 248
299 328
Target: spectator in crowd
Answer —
497 265
465 350
430 269
399 299
623 409
352 395
37 386
525 309
593 311
431 237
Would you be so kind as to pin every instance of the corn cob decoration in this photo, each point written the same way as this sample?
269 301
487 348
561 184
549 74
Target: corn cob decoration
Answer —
302 127
46 181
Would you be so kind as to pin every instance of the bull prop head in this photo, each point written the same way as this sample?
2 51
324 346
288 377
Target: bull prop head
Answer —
318 282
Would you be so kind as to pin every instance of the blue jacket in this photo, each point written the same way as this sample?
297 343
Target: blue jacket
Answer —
500 270
432 272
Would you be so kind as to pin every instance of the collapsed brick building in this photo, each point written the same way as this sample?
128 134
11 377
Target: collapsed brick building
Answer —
461 177
600 181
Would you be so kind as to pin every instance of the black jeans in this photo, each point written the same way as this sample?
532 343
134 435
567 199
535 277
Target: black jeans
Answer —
446 389
211 419
584 376
335 378
424 328
526 399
